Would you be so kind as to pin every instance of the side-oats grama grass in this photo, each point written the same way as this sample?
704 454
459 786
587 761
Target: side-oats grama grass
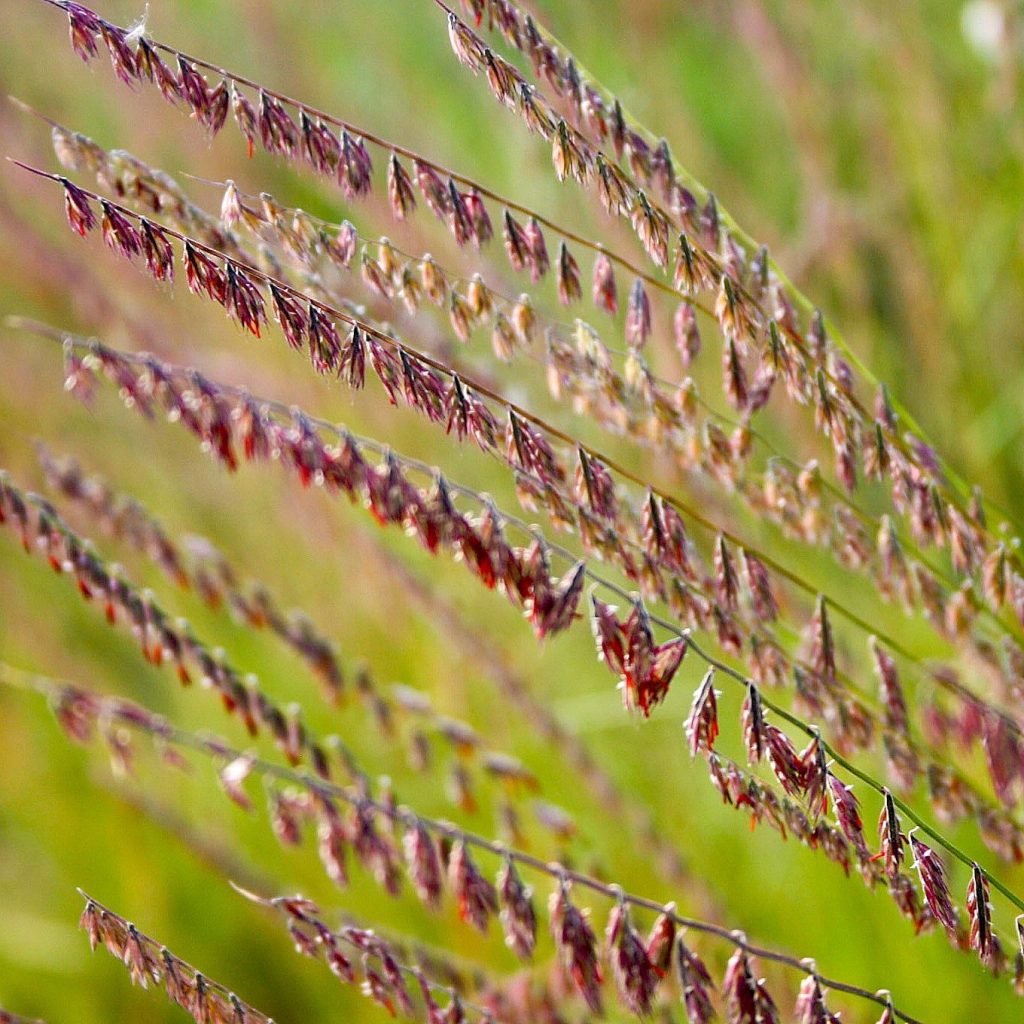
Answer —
656 505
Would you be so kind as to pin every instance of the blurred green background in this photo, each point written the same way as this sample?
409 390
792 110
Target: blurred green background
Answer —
877 149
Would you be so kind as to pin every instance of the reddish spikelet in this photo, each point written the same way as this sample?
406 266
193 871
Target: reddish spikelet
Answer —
122 57
979 913
594 486
892 691
726 580
320 145
202 274
734 377
569 288
810 1003
848 815
933 884
118 231
1002 744
696 985
468 416
374 850
652 228
277 130
784 760
536 250
245 117
634 974
83 27
518 917
660 944
290 316
530 448
552 608
891 837
400 192
740 989
702 723
483 229
158 251
646 669
814 777
476 897
638 316
243 300
517 245
354 167
605 290
577 946
322 337
753 725
332 843
823 655
694 270
78 208
423 863
762 595
686 333
193 87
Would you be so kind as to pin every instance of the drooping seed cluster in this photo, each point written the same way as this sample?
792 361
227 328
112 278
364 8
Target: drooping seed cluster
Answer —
591 110
150 963
359 956
613 527
950 613
968 581
195 564
911 465
437 856
629 648
644 667
161 639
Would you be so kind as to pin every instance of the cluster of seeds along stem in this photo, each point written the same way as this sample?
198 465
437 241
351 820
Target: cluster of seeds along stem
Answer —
151 963
705 230
807 774
755 608
936 518
161 639
594 107
607 526
196 565
951 614
933 524
439 855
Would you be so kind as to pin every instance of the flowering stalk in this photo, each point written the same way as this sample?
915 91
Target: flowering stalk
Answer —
415 379
784 757
572 375
912 466
198 566
361 956
150 962
162 640
642 156
260 435
649 157
76 149
80 710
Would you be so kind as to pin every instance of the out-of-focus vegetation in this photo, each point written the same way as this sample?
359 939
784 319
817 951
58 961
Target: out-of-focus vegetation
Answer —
877 148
